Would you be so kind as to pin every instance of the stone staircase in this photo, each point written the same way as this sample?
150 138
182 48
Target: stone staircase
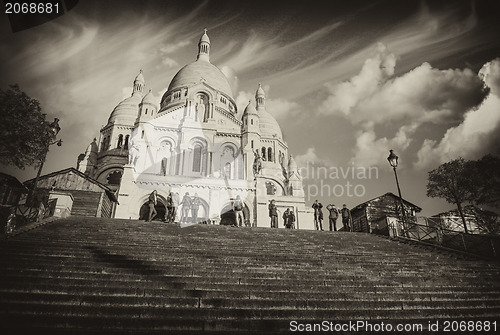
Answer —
88 276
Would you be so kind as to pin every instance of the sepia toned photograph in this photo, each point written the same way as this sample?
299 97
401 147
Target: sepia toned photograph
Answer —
250 167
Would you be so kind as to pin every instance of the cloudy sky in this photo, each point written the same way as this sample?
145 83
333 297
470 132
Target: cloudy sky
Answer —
347 80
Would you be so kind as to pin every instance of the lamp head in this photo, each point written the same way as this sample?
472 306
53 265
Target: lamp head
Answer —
392 159
54 126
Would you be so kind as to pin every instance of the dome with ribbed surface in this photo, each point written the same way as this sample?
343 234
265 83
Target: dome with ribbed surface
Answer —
201 71
126 111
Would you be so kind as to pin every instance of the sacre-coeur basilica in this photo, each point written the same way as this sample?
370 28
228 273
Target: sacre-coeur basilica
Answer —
194 143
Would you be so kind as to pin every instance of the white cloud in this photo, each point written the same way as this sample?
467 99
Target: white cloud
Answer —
173 47
376 100
430 35
307 159
346 96
424 94
370 150
126 92
476 136
490 74
242 100
258 49
280 108
169 62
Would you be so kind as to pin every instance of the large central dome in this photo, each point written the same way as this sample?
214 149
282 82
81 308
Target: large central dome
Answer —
199 71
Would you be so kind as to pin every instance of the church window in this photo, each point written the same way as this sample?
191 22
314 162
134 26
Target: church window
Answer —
227 170
264 153
270 155
146 111
197 158
251 121
142 134
120 141
125 146
114 178
164 162
251 144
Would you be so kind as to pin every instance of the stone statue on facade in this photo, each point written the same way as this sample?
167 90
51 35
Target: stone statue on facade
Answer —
133 152
257 163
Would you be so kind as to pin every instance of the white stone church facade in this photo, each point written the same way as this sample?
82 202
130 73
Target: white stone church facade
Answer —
195 143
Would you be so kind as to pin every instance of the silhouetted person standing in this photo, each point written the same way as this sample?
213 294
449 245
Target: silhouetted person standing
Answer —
332 217
238 211
346 218
318 215
289 219
176 202
153 199
186 206
195 207
170 208
273 214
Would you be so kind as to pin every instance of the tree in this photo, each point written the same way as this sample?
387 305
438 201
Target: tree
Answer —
24 132
453 181
487 221
486 173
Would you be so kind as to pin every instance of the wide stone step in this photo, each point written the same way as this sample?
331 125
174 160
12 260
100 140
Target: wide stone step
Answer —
165 281
132 305
366 312
99 295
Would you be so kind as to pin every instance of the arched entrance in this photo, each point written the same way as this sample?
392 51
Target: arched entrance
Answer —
228 217
160 211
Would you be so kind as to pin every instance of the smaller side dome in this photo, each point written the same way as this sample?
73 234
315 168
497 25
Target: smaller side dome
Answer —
250 109
126 111
269 127
149 99
92 148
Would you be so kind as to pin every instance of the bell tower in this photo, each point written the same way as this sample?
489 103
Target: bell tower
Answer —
204 47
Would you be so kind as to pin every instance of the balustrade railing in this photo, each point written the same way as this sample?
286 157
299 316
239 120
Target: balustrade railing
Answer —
430 231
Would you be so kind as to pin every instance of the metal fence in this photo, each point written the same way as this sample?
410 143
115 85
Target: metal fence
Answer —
430 231
21 215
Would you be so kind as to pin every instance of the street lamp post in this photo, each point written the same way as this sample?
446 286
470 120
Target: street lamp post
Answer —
54 128
393 161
